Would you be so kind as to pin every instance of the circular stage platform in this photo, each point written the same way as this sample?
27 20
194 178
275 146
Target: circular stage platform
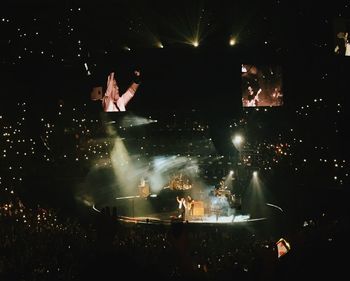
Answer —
163 208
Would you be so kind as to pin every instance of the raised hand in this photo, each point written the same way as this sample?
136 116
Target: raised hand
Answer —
137 77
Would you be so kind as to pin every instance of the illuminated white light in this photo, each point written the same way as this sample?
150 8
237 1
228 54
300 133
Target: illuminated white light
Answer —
232 41
237 140
94 208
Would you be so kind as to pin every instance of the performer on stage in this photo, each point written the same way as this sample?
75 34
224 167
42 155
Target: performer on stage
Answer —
143 188
190 205
182 207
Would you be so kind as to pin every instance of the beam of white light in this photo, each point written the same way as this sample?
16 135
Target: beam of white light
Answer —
193 28
133 120
123 166
275 206
128 197
95 209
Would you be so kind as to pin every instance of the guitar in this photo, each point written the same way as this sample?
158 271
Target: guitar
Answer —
255 100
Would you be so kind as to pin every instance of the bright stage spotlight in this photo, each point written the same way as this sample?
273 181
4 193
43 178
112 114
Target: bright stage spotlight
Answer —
238 141
232 41
160 45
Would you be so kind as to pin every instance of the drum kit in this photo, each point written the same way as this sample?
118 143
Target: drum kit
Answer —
221 190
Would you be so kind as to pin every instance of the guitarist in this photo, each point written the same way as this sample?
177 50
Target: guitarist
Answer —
253 98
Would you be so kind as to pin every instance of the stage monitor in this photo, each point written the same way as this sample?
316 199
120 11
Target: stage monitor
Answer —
261 85
341 37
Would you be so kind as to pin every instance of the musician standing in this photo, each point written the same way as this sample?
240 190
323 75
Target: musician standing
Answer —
253 98
182 207
190 205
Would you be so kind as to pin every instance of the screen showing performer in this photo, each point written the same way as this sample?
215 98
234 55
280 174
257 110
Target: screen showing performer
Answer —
113 99
261 85
341 37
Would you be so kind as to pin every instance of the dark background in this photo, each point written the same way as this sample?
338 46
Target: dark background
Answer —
299 36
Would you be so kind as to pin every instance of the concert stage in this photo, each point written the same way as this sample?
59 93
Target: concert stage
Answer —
207 209
168 219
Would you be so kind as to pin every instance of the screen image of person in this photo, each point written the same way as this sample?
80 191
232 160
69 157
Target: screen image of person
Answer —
112 101
342 45
262 85
341 37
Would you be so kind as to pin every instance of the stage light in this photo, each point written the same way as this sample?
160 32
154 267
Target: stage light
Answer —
232 41
195 43
237 140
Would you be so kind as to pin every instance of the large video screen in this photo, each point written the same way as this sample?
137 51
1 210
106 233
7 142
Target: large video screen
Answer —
261 85
341 37
113 99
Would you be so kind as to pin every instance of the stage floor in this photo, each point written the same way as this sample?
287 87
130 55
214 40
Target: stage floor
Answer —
160 209
206 219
